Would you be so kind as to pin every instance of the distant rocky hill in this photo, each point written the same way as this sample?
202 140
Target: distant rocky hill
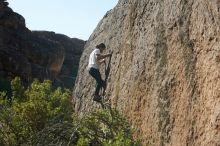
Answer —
42 55
165 69
73 48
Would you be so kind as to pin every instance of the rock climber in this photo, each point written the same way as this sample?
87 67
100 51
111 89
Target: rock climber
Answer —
96 58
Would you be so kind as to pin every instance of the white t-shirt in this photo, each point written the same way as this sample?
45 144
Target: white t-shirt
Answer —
93 59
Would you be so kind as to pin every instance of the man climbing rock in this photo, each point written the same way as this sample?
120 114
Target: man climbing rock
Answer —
95 59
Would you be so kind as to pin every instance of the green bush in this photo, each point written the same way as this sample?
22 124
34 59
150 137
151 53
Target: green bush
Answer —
42 115
105 128
31 110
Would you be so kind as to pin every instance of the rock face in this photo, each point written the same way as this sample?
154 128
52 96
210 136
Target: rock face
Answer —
31 55
165 69
73 48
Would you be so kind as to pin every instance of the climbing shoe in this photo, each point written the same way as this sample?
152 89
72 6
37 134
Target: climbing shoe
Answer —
97 98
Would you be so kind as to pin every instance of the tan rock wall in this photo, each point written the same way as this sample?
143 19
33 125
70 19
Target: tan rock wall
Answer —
165 69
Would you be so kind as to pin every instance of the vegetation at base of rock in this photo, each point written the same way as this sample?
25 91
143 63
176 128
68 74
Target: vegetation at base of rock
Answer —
43 115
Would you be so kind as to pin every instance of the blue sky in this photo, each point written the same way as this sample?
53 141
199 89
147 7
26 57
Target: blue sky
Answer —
75 18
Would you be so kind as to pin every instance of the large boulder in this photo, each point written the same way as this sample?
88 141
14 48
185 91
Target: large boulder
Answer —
73 49
34 55
165 73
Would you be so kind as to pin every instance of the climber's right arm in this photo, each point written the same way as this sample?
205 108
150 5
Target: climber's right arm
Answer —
100 56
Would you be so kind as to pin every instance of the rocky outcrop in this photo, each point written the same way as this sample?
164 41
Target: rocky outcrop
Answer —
31 55
165 69
73 50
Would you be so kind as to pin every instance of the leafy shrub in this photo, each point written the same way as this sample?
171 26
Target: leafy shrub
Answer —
42 115
30 110
105 128
96 128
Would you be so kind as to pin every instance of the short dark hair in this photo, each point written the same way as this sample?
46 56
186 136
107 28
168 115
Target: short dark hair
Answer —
102 45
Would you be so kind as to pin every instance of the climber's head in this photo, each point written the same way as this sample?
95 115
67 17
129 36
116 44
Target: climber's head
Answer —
101 47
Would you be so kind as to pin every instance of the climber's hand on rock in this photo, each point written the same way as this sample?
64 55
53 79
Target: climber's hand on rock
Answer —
110 53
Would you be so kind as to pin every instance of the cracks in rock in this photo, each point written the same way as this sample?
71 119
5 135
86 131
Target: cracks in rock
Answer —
164 125
133 15
144 9
190 59
117 86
